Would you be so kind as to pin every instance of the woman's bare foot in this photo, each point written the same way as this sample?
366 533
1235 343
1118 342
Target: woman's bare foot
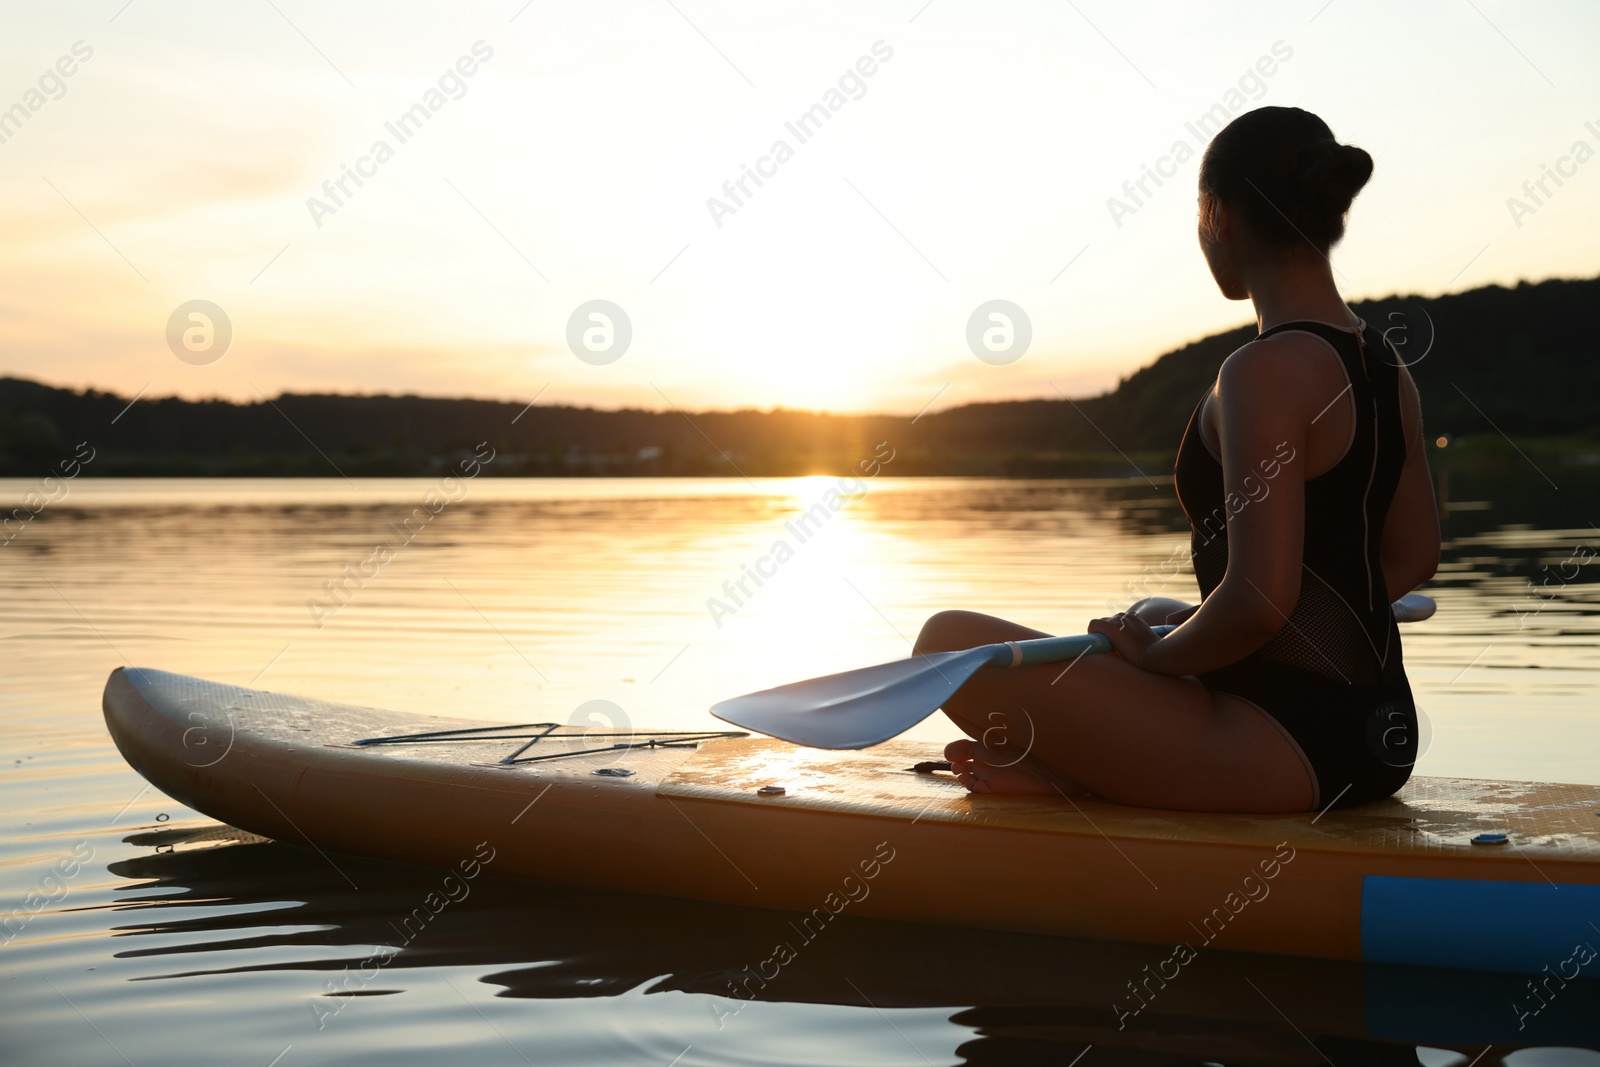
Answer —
983 770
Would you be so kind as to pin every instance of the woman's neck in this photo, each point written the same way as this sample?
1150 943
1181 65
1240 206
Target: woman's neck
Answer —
1297 287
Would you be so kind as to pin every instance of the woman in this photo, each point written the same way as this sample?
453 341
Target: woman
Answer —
1303 475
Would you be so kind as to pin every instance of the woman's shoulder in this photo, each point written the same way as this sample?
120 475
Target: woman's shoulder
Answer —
1283 369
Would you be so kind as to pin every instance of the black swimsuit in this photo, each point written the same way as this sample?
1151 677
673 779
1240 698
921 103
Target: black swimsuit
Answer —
1332 677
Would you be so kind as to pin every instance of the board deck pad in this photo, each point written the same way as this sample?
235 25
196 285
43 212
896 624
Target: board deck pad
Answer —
1542 820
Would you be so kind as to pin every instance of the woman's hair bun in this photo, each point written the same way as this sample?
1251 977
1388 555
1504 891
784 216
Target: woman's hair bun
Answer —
1333 176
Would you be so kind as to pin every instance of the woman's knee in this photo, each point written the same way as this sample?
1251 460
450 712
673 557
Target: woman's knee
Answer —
947 631
951 630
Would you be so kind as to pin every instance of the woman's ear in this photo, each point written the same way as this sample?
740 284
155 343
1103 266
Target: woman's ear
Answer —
1220 223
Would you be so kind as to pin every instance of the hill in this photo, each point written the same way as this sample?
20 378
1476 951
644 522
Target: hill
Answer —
1520 359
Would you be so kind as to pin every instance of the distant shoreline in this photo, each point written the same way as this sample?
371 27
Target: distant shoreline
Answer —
1493 366
1479 453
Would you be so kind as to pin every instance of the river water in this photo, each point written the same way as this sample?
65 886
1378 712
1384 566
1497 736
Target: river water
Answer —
140 931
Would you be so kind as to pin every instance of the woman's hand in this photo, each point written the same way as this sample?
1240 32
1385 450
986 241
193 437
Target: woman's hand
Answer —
1129 635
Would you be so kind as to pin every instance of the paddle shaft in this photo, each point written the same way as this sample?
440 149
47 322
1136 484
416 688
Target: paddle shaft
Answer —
1413 607
1052 649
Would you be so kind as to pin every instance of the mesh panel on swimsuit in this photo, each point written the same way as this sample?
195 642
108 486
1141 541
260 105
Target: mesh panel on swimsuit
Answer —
1324 636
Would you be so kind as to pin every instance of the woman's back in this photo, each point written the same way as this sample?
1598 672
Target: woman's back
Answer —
1338 652
1340 625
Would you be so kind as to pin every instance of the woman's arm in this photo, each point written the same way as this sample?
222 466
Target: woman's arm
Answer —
1156 610
1410 551
1267 396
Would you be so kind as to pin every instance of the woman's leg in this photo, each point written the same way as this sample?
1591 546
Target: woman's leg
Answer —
1131 736
996 760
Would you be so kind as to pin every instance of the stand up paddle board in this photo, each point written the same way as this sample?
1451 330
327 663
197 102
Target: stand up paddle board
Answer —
1482 875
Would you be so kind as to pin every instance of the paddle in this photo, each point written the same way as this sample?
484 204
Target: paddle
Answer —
865 707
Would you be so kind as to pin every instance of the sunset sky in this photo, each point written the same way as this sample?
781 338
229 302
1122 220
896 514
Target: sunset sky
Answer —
576 160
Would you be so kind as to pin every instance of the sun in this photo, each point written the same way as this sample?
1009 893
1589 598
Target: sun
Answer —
789 338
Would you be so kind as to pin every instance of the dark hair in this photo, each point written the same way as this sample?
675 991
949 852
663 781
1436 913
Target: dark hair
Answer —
1281 172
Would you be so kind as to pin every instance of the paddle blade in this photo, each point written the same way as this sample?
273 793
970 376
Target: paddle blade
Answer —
856 709
1414 607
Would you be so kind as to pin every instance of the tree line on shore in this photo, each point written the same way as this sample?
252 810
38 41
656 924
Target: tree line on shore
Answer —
1488 362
